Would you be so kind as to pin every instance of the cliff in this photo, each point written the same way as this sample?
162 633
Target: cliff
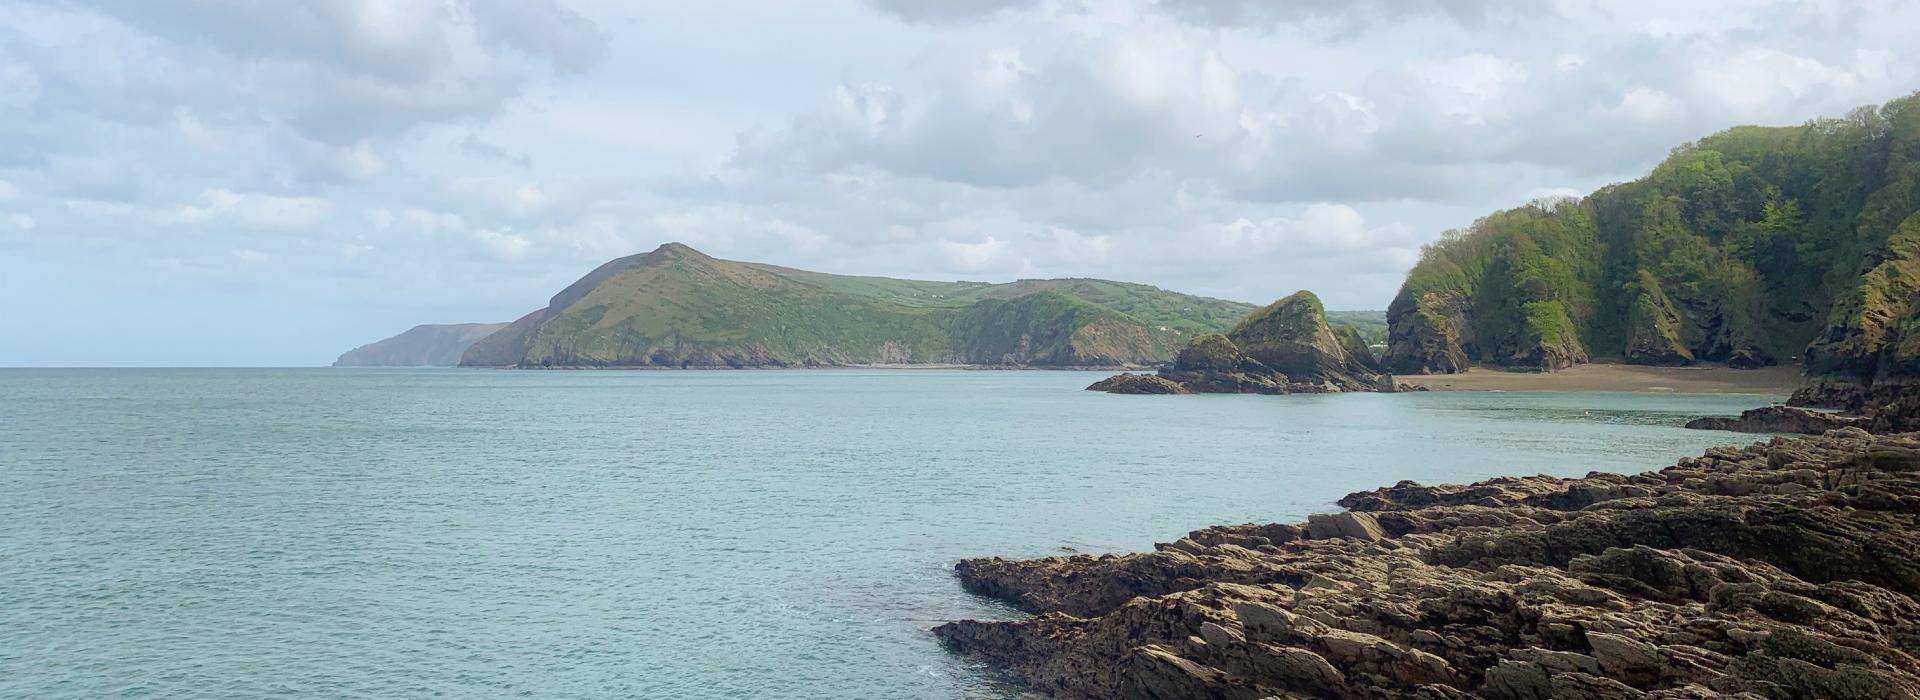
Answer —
1786 569
1749 247
431 345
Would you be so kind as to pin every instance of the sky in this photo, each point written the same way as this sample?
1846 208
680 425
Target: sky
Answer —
251 182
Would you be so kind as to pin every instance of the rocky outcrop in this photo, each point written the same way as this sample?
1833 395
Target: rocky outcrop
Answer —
1138 384
1786 569
1292 337
1867 358
1212 364
1429 334
1779 419
1287 347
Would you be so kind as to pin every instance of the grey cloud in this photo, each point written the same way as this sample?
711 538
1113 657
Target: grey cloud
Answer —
939 11
1342 18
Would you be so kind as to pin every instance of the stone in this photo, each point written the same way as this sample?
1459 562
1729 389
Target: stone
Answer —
1783 569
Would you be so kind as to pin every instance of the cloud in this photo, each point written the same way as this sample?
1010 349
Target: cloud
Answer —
381 164
249 210
941 11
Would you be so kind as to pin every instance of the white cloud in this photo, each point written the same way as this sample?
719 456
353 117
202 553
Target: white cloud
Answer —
249 210
989 255
381 164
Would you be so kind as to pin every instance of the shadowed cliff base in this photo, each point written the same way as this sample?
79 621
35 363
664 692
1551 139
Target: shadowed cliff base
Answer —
1785 569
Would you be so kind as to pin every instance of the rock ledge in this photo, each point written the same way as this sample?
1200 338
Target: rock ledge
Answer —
1786 569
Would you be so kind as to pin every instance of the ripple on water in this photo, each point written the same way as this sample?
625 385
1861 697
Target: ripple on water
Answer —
381 533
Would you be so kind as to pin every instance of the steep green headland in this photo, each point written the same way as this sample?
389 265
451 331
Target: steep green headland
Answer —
677 307
1744 247
430 345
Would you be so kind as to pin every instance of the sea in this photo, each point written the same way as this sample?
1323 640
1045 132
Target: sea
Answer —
459 533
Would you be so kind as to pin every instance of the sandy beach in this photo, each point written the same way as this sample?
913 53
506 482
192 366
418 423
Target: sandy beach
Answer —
1699 379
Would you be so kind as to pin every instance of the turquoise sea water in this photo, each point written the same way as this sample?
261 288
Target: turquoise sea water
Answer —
675 534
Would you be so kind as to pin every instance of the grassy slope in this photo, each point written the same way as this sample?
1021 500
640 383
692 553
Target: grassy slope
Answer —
1735 248
679 307
1371 324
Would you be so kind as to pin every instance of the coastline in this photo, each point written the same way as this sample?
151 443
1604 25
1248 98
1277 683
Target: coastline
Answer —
923 366
1697 379
1781 569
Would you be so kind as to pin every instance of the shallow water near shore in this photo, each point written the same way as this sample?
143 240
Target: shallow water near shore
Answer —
768 534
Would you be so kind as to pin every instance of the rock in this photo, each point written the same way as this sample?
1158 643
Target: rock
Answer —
1292 337
1779 419
1428 333
1137 384
1286 348
1629 660
1360 526
1785 569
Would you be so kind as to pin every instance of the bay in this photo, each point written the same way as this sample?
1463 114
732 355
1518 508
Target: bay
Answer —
675 534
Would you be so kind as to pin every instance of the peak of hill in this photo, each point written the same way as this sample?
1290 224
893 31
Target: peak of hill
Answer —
678 307
1753 246
429 345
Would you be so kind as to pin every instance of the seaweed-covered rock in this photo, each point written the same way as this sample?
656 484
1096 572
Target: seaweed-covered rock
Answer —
1786 569
1292 337
1138 384
1286 347
1779 419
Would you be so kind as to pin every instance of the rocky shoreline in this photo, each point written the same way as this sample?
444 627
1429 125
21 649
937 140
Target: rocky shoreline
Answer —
1780 419
1785 569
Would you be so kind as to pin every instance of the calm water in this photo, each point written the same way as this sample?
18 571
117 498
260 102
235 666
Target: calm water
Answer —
473 533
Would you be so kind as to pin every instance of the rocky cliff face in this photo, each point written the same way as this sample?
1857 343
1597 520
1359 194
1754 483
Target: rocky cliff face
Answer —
1738 249
1286 347
431 345
1782 570
1867 358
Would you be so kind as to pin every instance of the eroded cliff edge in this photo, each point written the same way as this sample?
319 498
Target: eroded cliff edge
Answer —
1786 569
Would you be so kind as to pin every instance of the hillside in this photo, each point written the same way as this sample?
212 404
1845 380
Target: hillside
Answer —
1754 246
678 307
430 345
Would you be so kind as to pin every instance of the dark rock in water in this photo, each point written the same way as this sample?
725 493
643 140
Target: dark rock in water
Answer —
1212 364
1779 419
1890 405
1137 384
1292 337
1786 569
1286 348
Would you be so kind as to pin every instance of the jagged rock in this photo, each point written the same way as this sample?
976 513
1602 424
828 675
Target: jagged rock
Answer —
1779 419
1428 333
1359 526
1786 569
1285 348
1138 384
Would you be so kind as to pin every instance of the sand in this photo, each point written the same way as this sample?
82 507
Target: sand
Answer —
1700 379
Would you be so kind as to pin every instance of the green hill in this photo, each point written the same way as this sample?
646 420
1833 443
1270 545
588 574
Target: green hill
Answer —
1744 247
677 307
